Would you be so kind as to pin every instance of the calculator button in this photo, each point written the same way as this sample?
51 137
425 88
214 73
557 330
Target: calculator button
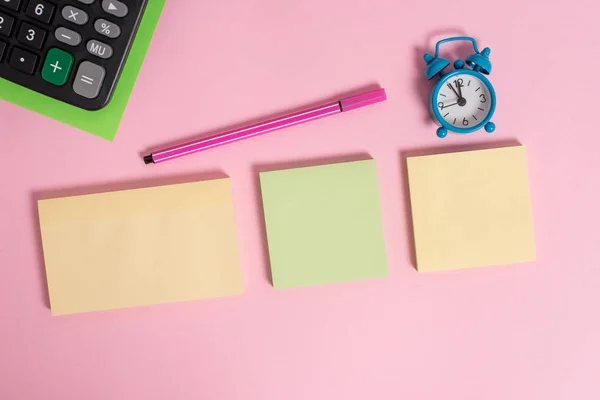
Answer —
115 8
12 4
87 1
75 15
67 36
40 10
31 35
6 23
99 49
57 67
2 49
88 80
23 60
107 28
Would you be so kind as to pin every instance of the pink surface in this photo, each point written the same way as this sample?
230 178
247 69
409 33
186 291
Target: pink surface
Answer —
515 332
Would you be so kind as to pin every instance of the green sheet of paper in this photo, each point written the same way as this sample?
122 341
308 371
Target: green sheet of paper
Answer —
104 122
324 224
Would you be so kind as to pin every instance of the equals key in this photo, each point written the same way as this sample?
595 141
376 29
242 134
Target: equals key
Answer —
88 80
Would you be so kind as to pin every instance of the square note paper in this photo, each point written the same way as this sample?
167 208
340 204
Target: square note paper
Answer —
471 209
324 224
138 247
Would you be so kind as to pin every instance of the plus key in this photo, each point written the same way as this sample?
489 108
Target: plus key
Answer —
57 67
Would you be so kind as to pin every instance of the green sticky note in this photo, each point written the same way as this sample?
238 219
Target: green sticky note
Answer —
324 224
104 122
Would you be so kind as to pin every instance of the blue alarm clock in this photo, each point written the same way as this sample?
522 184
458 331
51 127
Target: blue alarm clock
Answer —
463 100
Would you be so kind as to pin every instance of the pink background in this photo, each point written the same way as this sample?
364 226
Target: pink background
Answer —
525 331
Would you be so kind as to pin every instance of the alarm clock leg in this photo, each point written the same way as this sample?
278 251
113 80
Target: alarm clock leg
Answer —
442 133
490 127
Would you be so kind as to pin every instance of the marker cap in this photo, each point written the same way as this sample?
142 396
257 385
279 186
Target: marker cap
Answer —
364 99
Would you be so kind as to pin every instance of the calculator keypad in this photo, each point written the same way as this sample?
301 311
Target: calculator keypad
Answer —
67 36
75 15
107 28
71 50
99 49
11 4
40 10
6 24
23 61
32 36
89 80
115 8
57 67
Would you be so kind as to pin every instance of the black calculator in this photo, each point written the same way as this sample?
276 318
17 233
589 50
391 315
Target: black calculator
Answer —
70 50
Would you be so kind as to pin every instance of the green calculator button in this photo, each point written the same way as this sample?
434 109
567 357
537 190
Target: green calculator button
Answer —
57 67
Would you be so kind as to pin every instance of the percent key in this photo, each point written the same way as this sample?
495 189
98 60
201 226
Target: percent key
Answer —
107 28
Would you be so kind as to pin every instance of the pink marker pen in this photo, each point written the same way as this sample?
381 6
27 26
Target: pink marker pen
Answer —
336 107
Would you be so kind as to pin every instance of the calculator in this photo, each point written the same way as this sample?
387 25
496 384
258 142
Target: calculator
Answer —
70 50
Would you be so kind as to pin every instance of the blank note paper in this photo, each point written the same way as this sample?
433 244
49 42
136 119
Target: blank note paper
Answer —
140 247
471 209
324 224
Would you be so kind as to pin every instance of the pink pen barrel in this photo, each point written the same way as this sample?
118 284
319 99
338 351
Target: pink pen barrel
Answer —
235 135
335 107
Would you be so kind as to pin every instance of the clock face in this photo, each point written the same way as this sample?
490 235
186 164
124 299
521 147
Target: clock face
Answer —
464 101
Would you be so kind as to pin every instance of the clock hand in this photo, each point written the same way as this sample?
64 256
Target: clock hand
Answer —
458 85
454 90
450 105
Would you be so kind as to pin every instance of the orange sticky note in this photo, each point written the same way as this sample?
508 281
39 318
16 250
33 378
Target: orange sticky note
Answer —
139 247
471 209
